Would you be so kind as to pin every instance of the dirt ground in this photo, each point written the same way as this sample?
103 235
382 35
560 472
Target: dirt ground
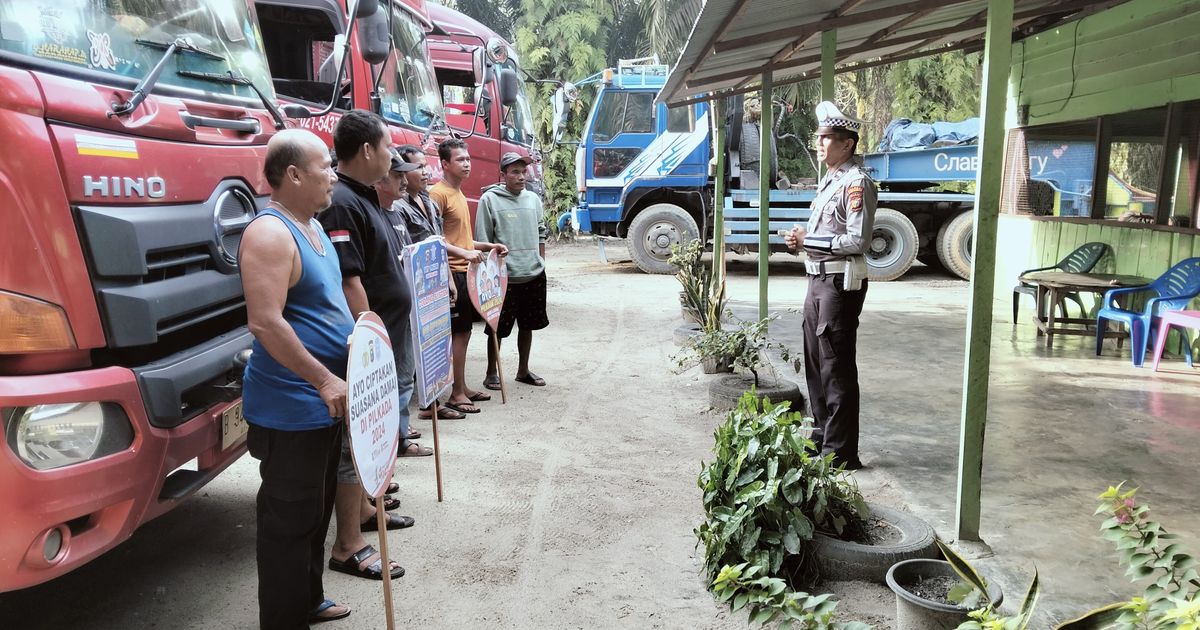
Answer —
572 506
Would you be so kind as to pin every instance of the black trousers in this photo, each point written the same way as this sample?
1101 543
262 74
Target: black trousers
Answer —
830 365
295 502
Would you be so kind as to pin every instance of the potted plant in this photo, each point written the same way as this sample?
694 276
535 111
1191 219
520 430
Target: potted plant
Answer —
941 594
702 292
765 494
748 344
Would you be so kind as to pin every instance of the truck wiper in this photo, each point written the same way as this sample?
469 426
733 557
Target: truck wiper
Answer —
142 90
229 78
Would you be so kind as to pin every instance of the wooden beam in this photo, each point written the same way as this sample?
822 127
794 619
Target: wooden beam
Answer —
791 49
1168 165
997 61
810 28
1100 170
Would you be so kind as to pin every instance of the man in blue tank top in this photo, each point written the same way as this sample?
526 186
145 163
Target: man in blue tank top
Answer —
294 391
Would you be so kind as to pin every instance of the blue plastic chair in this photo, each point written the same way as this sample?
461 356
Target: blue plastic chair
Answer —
1173 291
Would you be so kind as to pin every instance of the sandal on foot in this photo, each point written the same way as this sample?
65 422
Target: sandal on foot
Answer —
492 382
389 503
444 413
414 434
531 379
463 407
420 451
394 521
373 571
479 397
392 488
316 617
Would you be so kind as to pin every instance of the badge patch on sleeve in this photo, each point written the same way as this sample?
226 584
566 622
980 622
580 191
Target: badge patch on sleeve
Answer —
854 198
339 236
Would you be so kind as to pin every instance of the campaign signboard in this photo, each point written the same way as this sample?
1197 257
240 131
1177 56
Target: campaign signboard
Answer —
429 281
487 282
373 403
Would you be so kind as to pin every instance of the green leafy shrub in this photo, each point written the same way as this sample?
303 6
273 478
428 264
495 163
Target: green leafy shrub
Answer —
765 496
744 346
702 291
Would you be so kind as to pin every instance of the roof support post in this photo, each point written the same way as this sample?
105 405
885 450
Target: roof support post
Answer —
828 87
997 60
718 269
765 136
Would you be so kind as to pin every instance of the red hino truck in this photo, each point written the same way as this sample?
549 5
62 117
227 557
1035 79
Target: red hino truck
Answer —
384 68
483 88
133 136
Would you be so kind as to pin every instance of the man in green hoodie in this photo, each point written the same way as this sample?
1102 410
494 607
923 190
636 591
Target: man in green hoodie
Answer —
511 215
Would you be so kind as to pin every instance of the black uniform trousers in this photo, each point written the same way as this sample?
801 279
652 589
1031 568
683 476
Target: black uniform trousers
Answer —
830 365
295 502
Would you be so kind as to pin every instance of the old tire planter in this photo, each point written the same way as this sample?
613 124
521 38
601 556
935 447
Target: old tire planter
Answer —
955 244
845 560
917 613
724 393
686 333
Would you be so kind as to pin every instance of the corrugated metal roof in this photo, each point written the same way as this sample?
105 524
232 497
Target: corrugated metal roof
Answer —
735 41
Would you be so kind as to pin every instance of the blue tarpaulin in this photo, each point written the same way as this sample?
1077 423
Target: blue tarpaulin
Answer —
903 133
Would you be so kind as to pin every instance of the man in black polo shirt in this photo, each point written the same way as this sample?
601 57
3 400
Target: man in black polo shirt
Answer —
369 250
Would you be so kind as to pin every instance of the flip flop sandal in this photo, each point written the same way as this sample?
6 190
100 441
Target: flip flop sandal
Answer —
374 571
492 382
389 504
394 521
479 397
531 379
414 434
316 617
422 451
392 488
463 407
444 413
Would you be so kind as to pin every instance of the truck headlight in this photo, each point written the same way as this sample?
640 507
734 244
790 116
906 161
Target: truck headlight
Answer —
57 435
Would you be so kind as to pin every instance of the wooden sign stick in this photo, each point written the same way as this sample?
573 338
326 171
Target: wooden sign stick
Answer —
499 369
381 522
437 452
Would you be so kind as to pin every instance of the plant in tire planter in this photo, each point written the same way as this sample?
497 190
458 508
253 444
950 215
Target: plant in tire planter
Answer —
702 294
764 496
749 344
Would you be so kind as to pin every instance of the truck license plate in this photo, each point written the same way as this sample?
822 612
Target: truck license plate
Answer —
233 425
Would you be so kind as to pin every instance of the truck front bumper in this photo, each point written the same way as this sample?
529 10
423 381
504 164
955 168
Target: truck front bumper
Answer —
53 521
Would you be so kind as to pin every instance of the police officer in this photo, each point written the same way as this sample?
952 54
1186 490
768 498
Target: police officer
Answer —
834 243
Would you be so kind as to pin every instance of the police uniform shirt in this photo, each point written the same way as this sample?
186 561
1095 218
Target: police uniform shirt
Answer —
843 214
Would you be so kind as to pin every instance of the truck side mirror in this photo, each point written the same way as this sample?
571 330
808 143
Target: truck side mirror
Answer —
510 86
366 8
478 67
559 104
374 37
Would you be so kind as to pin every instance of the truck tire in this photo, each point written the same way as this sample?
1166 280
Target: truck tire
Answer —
893 246
955 247
654 230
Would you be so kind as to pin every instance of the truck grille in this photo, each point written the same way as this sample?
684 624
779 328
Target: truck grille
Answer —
162 269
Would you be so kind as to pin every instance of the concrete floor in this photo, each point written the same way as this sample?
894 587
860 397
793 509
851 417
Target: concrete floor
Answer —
1063 425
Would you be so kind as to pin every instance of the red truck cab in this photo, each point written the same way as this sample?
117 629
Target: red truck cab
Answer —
386 70
134 137
485 103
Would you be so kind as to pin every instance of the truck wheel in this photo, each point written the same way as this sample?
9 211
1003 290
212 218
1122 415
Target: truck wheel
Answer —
955 247
654 230
893 246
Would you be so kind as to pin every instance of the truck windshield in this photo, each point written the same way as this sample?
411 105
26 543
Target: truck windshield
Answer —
120 37
518 122
409 95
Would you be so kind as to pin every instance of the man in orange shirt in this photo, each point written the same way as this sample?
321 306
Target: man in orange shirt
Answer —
458 231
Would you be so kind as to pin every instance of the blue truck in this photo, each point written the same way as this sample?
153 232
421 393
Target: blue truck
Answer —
644 173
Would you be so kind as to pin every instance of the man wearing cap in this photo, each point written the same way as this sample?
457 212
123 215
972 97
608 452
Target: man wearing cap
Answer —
510 215
369 249
835 241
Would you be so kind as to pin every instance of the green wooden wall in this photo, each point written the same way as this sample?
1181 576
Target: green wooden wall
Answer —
1137 55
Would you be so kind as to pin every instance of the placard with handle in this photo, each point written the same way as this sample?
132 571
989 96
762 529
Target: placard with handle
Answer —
429 281
373 422
487 282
